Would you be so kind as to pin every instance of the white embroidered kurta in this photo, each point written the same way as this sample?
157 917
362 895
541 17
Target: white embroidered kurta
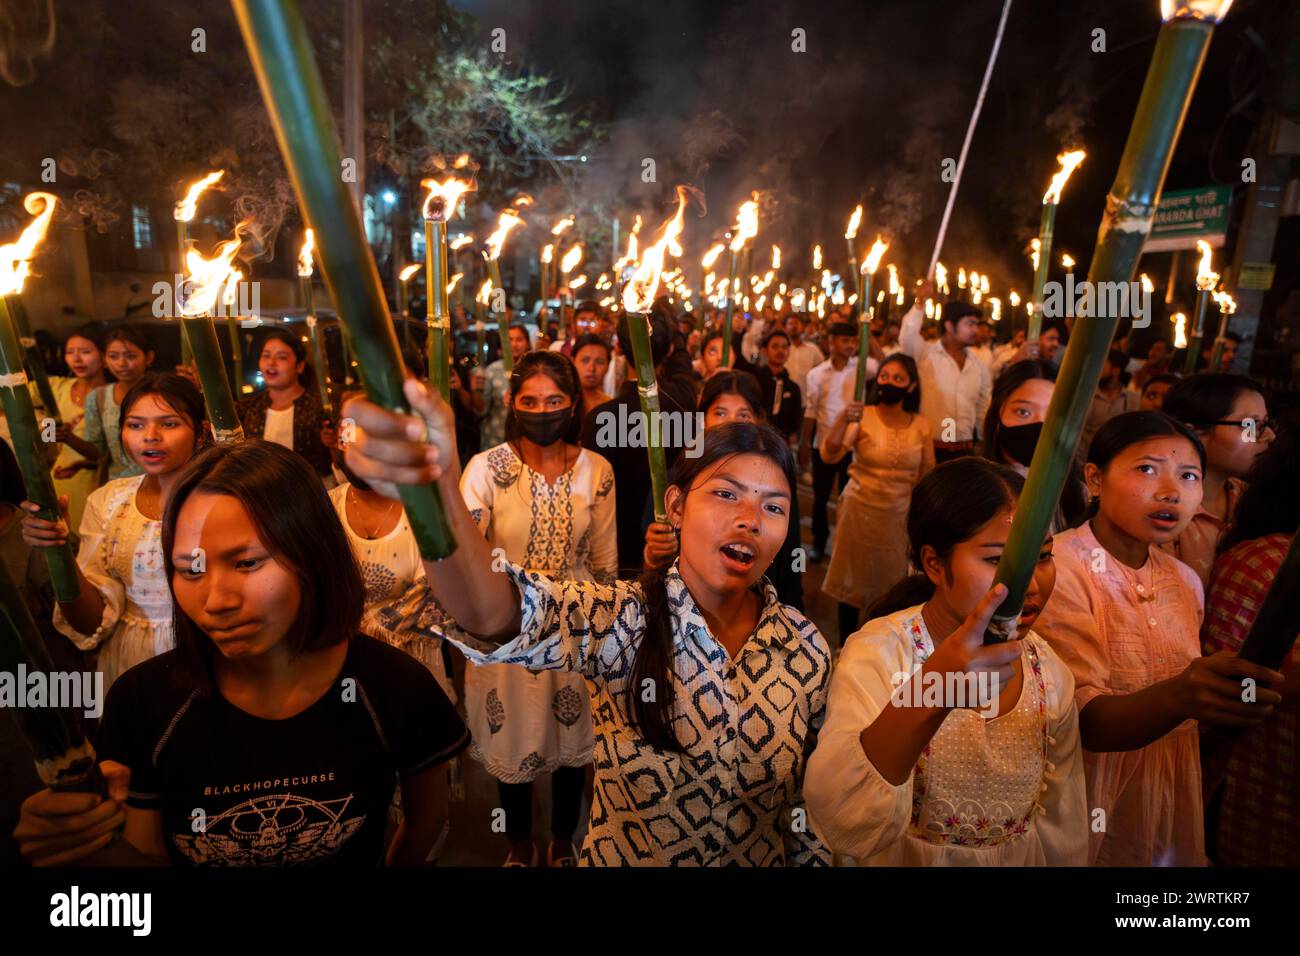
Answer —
121 557
747 724
392 571
1002 792
524 723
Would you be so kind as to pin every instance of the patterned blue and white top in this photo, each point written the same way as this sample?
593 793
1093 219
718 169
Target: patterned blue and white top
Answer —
748 724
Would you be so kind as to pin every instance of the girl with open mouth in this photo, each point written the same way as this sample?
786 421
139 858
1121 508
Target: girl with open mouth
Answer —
706 692
1126 616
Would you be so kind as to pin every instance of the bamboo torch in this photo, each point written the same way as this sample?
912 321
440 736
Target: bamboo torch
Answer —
202 289
1206 280
508 220
1227 307
567 264
746 228
850 234
305 270
439 206
1046 228
1130 208
183 214
869 267
65 759
278 45
16 260
17 402
638 296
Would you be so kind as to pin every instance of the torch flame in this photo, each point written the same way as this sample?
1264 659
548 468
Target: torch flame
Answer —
409 271
1067 261
1226 303
854 221
1069 162
1180 330
1035 245
453 282
186 208
940 277
1206 279
711 256
1014 298
984 284
508 220
230 294
571 258
207 275
878 250
559 228
484 292
996 306
460 242
15 256
1147 285
776 257
746 226
578 283
443 197
304 254
1212 10
548 252
961 277
639 292
893 278
817 257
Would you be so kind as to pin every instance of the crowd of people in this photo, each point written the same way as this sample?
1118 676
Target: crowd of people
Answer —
278 653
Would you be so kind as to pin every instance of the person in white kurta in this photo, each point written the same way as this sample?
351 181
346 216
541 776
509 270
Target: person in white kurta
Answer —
1002 792
394 575
121 556
525 724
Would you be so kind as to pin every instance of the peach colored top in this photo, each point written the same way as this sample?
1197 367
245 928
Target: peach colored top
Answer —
1120 630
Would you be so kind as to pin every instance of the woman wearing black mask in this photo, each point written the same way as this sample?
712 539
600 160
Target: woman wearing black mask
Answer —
1014 421
892 449
546 504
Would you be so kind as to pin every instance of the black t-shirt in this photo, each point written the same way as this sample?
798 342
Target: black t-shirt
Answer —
239 790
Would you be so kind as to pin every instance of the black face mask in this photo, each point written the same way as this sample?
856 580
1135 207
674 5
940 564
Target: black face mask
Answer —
890 394
542 428
1019 441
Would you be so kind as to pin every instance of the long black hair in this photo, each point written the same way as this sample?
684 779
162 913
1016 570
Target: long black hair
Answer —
1269 505
177 393
559 368
654 655
949 505
1012 377
1207 397
296 522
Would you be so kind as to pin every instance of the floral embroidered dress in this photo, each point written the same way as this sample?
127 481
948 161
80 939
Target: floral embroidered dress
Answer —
1008 791
1120 630
102 428
121 557
524 723
747 723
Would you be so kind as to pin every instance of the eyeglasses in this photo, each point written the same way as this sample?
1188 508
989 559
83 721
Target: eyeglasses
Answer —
1259 424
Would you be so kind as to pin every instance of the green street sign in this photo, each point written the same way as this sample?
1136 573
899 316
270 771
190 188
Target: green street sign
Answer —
1187 215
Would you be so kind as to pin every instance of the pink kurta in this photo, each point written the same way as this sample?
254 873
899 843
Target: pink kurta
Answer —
1121 630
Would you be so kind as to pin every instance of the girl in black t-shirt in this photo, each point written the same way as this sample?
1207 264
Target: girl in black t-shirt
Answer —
272 735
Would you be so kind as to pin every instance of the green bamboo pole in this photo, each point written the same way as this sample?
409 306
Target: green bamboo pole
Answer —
35 361
1130 209
647 390
318 361
1194 340
291 85
503 327
236 353
731 305
23 431
205 348
65 759
864 337
436 309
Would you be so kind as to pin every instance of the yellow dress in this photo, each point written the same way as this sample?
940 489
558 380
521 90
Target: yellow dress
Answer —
869 553
80 485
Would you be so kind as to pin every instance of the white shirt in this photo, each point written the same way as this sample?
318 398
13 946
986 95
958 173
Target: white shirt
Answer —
1003 792
829 390
948 393
734 798
804 357
279 426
